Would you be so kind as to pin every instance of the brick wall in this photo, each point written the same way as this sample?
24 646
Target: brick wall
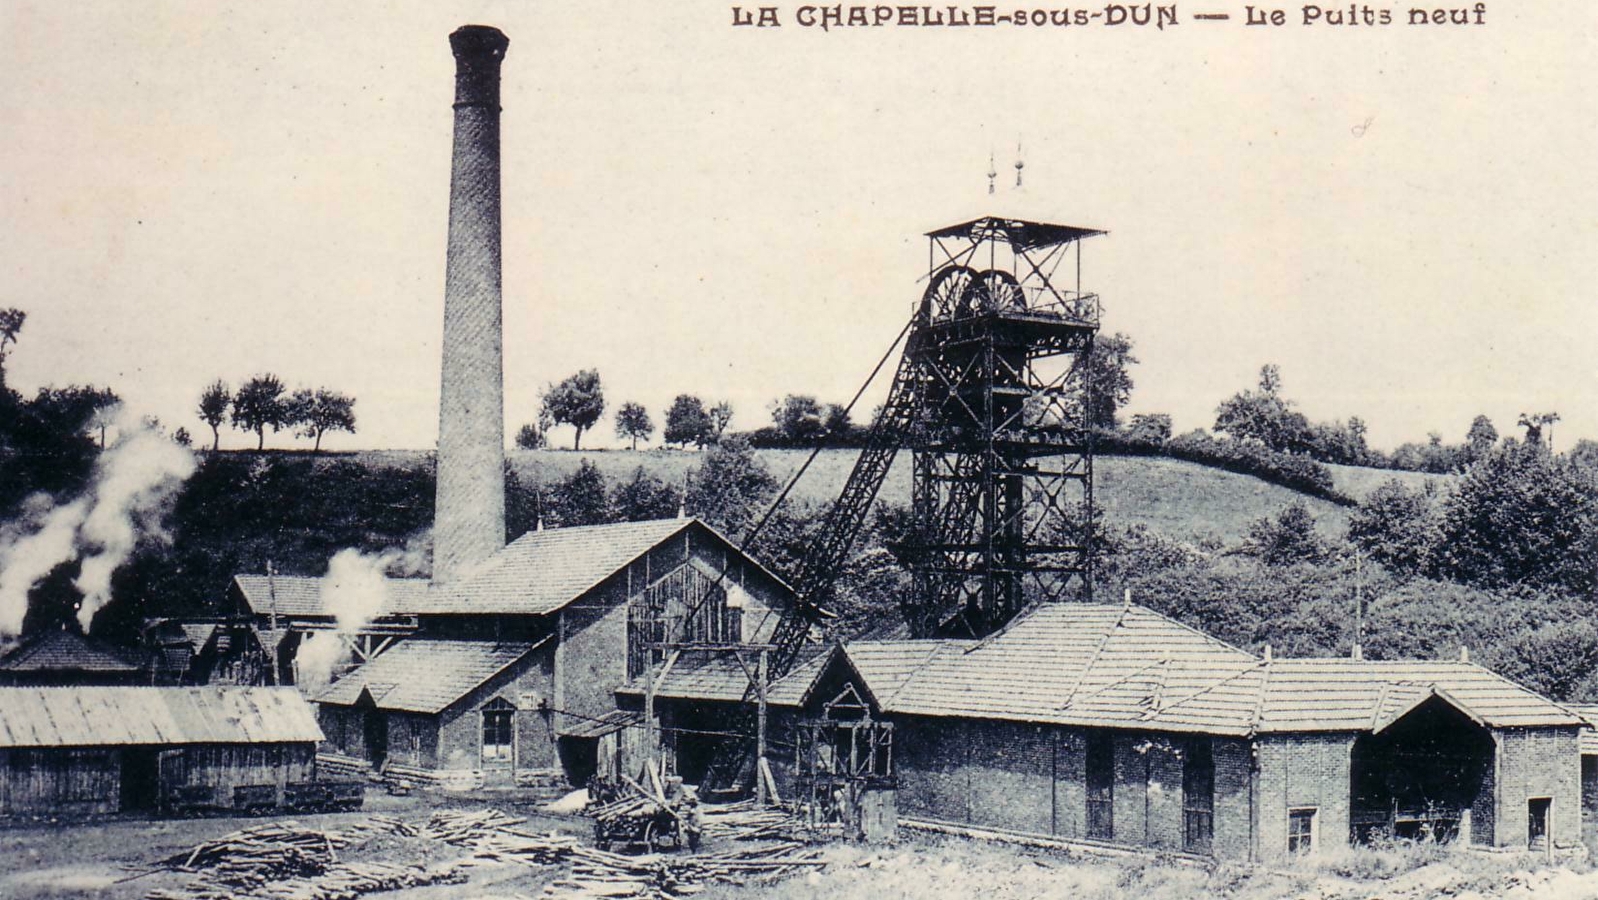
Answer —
1131 789
1032 778
1233 797
460 728
1542 762
1070 783
1297 771
1011 776
1164 758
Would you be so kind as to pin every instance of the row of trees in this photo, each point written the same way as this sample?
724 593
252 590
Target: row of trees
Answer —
579 401
263 402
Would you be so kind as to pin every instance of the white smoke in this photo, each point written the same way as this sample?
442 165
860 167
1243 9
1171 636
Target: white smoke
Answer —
355 591
133 485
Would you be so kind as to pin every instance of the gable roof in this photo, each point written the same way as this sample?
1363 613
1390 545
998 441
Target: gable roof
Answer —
1129 667
63 650
301 595
542 571
1365 695
426 676
116 716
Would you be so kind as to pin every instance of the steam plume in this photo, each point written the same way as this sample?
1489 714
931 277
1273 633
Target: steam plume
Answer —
355 591
134 483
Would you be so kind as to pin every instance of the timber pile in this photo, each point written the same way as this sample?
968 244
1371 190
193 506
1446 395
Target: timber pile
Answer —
254 856
466 828
282 861
746 820
596 873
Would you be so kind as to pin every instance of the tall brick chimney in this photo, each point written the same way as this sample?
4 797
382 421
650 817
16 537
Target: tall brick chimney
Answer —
469 517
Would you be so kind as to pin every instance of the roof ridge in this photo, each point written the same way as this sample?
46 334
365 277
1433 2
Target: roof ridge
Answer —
1205 690
922 666
1265 689
1098 651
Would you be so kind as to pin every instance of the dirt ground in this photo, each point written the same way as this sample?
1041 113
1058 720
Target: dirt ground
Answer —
111 860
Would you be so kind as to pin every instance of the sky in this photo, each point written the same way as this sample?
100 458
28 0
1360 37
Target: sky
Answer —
1403 218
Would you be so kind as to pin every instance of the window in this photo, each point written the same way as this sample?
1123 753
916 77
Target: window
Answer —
1100 764
1300 831
499 717
1198 796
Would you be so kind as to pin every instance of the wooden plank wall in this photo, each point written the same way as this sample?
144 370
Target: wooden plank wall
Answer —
68 782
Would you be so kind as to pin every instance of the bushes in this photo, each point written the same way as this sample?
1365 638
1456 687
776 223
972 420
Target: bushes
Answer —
1289 470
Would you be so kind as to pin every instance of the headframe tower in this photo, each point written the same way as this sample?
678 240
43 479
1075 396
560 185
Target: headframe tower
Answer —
997 382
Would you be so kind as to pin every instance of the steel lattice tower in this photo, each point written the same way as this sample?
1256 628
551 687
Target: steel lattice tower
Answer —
998 391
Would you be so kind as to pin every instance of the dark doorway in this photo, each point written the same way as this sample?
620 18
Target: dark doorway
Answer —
1100 763
1537 810
141 782
375 728
1198 796
1416 778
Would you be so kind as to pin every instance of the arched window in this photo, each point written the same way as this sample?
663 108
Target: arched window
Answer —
499 717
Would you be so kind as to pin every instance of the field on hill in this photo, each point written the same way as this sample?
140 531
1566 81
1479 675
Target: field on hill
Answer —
1180 499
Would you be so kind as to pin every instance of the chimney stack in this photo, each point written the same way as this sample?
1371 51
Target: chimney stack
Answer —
469 516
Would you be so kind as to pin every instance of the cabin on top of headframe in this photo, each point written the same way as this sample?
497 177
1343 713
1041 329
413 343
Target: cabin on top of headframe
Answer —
514 662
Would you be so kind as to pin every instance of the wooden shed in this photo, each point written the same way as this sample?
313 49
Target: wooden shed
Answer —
74 751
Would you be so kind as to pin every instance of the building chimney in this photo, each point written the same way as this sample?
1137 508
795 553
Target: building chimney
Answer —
469 516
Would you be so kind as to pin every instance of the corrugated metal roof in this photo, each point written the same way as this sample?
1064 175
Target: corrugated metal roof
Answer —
114 716
1115 666
61 650
423 675
721 678
542 571
301 595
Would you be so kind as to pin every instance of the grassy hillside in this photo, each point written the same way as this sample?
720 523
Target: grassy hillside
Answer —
1181 499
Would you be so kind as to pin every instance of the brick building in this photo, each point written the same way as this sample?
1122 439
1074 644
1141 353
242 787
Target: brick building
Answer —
514 665
1116 725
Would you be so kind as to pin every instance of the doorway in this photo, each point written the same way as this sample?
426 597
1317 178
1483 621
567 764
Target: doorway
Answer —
375 731
141 783
1537 809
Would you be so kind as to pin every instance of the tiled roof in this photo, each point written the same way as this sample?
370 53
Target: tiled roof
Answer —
426 676
1351 694
542 571
887 665
301 595
199 634
722 678
62 650
1129 667
1589 735
112 716
1082 664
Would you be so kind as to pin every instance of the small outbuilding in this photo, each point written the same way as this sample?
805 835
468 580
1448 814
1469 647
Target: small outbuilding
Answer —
64 657
73 751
